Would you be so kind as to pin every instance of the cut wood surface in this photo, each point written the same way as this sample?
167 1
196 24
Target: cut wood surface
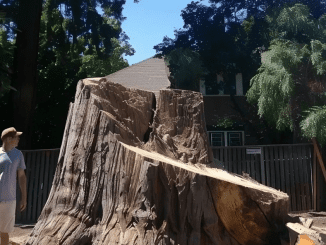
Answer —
136 169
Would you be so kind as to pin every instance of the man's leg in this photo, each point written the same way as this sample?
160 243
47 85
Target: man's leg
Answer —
4 238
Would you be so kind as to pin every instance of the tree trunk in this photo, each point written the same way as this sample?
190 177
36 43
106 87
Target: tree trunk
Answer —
135 171
24 78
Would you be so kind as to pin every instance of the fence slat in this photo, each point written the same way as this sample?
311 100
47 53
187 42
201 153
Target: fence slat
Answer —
244 161
230 160
54 166
234 160
268 170
221 151
305 178
277 168
248 164
239 160
301 178
31 187
226 155
35 190
272 165
29 168
309 174
257 167
264 165
41 184
282 177
287 174
297 178
252 166
231 165
46 178
293 189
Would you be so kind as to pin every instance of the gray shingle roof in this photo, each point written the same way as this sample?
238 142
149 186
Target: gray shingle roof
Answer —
150 74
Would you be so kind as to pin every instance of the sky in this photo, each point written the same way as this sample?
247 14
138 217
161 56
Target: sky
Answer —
148 22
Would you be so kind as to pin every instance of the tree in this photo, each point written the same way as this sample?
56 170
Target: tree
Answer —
204 32
62 66
6 60
24 77
8 13
113 185
186 68
220 51
260 8
82 18
285 86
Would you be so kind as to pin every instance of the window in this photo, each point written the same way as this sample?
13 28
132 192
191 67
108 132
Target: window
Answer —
234 139
217 139
226 138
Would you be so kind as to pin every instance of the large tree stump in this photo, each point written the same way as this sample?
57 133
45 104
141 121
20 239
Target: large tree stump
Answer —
131 173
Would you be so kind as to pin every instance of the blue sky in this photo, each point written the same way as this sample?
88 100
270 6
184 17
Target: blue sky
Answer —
148 22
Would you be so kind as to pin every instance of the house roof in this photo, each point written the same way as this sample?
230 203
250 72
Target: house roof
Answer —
150 75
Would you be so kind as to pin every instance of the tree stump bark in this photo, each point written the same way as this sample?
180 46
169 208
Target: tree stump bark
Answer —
135 171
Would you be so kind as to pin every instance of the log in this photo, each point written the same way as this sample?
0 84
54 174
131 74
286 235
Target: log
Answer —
136 169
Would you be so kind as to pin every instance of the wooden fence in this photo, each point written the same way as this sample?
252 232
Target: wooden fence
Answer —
284 167
40 170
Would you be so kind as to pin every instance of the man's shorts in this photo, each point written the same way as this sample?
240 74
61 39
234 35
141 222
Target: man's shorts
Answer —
7 216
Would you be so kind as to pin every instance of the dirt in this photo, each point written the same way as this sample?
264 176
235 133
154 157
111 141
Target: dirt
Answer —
20 234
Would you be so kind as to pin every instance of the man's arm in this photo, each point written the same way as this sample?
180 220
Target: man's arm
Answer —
22 183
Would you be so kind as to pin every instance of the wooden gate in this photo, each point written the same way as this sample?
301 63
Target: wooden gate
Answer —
284 167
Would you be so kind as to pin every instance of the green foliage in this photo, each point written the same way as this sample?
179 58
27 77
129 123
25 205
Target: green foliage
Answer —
186 68
204 33
287 67
314 124
318 56
93 66
6 61
225 123
63 63
294 23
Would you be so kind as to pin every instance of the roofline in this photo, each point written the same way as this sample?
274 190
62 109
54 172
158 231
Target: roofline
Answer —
134 64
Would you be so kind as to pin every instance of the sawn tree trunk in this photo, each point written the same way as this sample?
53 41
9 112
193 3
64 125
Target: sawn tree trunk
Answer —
136 169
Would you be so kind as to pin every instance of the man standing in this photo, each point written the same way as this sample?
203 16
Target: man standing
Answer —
14 164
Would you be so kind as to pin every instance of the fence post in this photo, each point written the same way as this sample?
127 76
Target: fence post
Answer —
319 178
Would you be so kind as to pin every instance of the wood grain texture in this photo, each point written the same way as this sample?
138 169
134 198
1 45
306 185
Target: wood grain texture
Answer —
135 171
